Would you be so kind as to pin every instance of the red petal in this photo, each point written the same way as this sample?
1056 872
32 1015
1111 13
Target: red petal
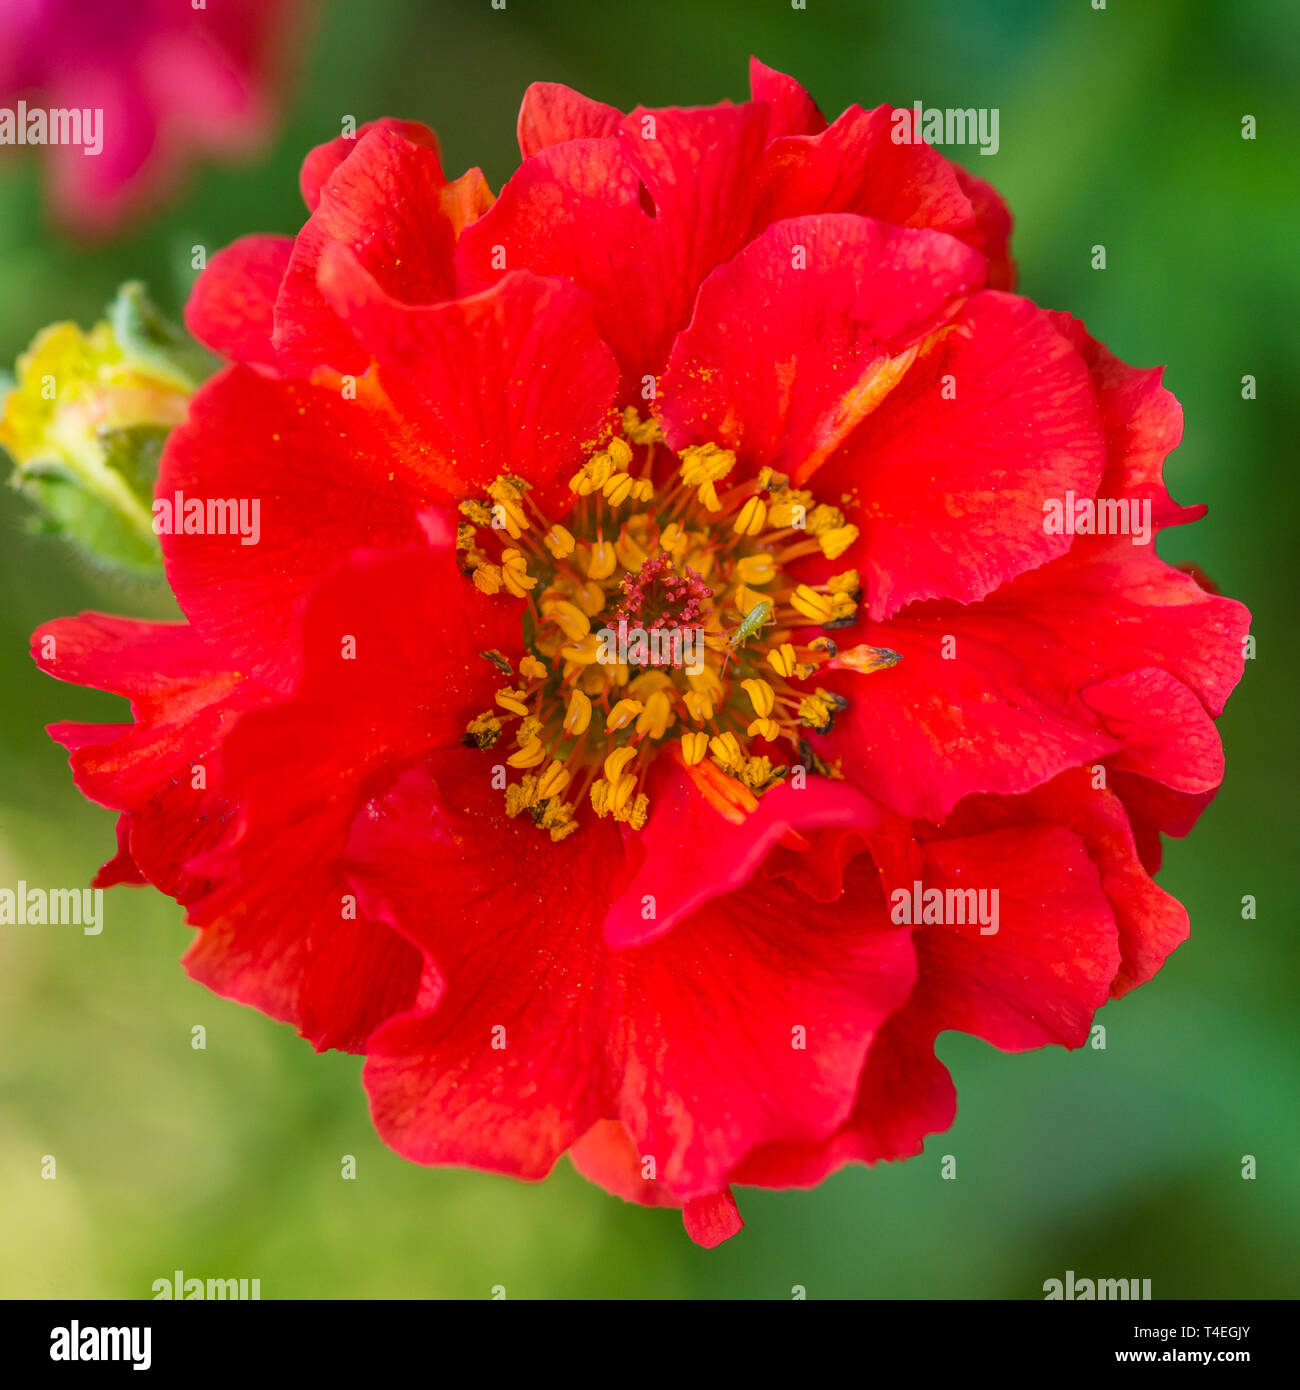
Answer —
1164 729
329 475
905 1093
389 204
324 159
1047 969
1009 708
1143 423
855 166
793 111
552 113
994 220
543 382
692 855
592 1034
791 338
607 1156
232 305
711 1220
1151 923
637 220
951 490
275 933
184 698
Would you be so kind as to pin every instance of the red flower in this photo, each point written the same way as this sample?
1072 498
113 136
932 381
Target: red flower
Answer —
165 80
729 361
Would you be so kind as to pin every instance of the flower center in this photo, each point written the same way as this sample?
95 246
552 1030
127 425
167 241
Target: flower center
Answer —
659 619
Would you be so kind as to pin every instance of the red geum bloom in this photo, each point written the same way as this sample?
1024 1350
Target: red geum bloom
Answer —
730 366
166 81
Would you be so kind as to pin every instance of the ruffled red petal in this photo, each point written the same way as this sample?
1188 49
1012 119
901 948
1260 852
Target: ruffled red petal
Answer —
948 474
382 683
790 344
583 1033
388 203
231 308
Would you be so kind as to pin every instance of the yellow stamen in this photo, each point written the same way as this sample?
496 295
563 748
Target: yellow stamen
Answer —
559 541
782 659
553 781
694 747
513 700
817 608
761 696
529 756
753 516
622 715
578 715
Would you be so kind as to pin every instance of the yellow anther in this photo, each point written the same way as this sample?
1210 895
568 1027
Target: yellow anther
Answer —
639 812
817 608
484 729
488 579
726 750
756 569
572 621
584 652
847 582
752 518
578 716
622 715
843 606
508 518
761 696
705 463
640 431
620 798
618 488
529 729
789 507
477 512
769 480
602 562
673 540
698 706
590 598
528 756
619 451
766 729
756 773
837 540
782 659
616 763
824 518
817 710
707 682
643 489
630 555
513 700
708 494
553 781
514 573
657 715
694 747
532 668
559 541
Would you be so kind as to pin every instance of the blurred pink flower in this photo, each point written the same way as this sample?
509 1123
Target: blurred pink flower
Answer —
173 79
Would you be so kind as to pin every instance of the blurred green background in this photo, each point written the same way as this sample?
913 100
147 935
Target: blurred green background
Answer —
1121 127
